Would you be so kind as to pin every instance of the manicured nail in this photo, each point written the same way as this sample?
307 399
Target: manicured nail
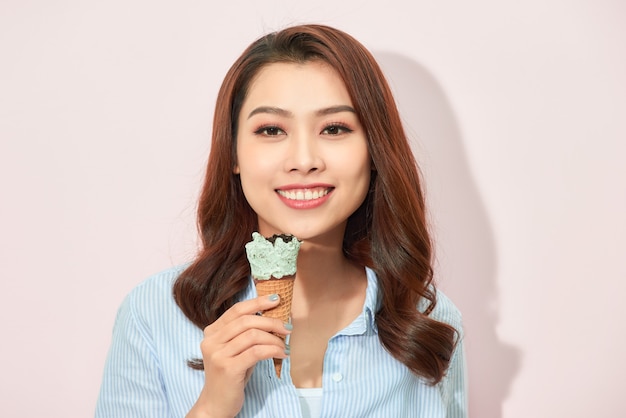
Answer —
288 326
273 297
287 349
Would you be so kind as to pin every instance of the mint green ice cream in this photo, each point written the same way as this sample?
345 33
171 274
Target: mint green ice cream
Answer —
269 259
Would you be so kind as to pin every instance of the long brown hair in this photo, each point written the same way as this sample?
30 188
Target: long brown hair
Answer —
387 233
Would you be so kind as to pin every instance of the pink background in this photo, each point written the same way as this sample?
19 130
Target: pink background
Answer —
518 113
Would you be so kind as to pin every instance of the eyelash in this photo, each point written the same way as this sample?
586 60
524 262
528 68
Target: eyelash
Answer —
263 130
339 126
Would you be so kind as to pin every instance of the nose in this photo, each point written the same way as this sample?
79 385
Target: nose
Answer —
304 154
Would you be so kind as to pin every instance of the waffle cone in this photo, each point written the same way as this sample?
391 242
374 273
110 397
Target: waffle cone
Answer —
284 288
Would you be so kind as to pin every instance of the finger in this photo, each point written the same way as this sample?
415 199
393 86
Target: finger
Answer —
252 338
248 307
245 323
241 364
260 352
244 352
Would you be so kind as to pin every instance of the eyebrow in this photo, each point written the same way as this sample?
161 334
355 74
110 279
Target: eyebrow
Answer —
286 113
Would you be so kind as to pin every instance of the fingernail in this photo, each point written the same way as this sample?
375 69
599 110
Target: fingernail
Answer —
288 326
287 349
273 297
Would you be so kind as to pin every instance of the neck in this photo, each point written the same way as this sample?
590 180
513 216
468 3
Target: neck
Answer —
324 274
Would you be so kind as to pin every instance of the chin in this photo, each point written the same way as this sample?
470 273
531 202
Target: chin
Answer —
326 236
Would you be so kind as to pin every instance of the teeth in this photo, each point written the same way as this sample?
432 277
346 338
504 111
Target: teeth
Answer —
304 194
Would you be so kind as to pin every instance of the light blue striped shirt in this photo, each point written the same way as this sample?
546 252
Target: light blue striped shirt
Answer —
146 372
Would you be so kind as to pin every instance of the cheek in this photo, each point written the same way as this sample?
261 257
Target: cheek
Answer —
250 185
363 172
256 174
256 168
246 161
353 162
254 158
355 169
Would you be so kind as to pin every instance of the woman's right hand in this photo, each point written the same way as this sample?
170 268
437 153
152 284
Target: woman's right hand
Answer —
231 347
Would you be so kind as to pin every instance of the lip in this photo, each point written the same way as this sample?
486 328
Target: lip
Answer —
304 196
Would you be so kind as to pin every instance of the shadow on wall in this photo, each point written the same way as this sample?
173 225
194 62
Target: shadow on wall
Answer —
465 249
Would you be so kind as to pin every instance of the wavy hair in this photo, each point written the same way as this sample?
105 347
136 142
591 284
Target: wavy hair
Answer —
387 233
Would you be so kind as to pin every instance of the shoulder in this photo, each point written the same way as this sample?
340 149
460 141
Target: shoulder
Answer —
154 295
445 311
156 285
160 281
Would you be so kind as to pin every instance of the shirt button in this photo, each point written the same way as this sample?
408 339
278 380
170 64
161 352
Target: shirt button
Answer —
337 377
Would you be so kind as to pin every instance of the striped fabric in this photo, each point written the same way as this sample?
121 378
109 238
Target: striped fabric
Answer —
146 374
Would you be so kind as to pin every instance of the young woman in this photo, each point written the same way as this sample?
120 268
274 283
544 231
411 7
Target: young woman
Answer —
307 140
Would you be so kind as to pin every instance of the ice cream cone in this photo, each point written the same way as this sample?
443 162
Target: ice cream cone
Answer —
284 288
273 267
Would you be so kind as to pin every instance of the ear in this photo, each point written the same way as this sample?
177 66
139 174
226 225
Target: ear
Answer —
236 169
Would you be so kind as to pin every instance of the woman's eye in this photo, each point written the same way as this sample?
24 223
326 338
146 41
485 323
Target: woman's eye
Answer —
336 130
269 131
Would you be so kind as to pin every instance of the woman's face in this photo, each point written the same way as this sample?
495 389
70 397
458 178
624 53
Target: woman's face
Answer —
302 155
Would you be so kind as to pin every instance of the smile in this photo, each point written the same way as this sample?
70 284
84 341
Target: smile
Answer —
304 194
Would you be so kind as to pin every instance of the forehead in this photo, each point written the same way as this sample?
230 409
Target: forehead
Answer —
297 84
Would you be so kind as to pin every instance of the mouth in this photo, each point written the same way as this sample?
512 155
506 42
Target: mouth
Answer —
305 193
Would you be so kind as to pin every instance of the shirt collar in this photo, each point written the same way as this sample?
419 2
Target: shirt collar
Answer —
365 323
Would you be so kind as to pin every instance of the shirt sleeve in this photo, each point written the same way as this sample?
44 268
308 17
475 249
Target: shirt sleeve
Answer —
132 385
454 384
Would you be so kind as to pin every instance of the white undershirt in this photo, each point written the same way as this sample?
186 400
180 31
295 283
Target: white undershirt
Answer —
310 402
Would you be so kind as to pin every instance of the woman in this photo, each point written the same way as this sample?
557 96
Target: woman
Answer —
307 140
